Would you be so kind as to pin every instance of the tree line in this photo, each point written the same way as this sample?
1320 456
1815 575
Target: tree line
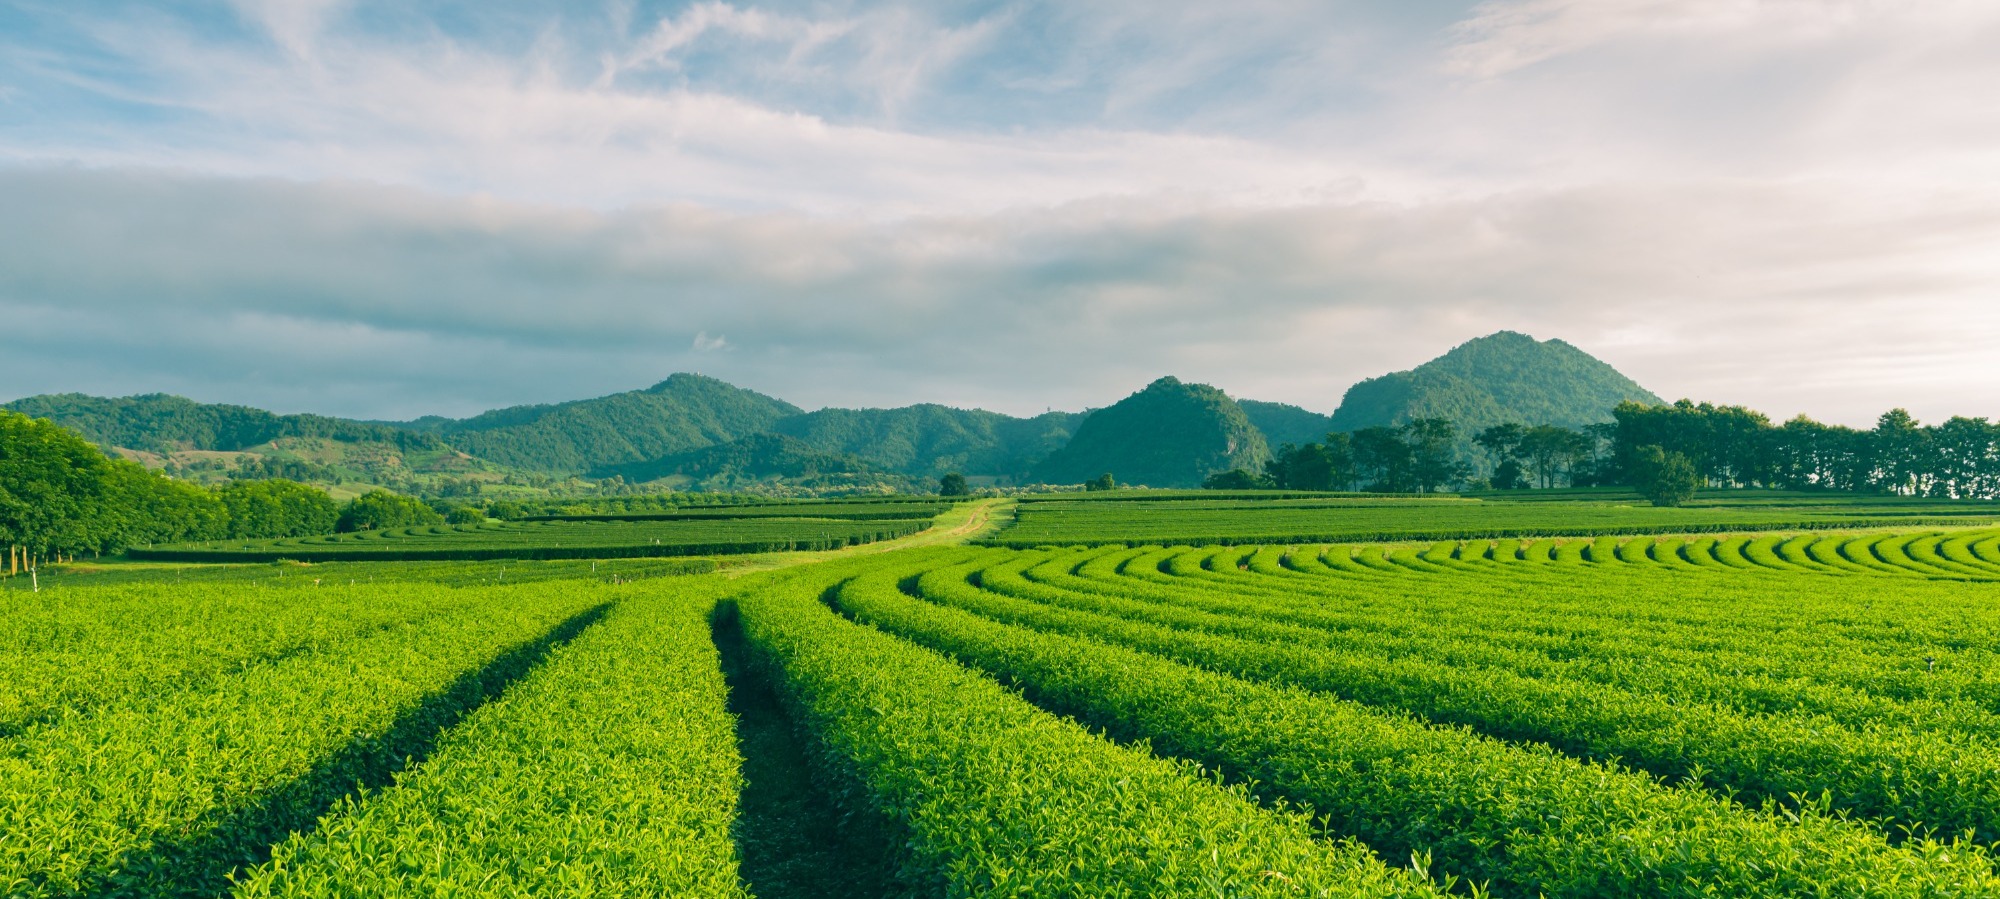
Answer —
60 496
1671 449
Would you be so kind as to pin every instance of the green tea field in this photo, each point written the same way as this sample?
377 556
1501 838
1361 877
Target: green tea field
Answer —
1799 712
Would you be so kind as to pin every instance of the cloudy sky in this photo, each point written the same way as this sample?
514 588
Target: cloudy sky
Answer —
386 209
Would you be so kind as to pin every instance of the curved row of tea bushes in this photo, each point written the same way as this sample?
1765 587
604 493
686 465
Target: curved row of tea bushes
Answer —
989 796
1906 778
1528 820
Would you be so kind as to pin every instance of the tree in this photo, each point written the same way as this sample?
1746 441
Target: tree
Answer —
1501 442
1665 478
1102 482
278 508
1382 459
53 483
378 509
1235 479
953 484
1548 452
1433 454
465 515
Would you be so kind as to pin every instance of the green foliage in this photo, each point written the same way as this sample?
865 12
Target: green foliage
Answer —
161 792
1664 478
1168 435
1732 445
953 484
275 508
1195 519
552 539
1102 482
684 412
928 440
465 515
616 757
161 423
1503 377
985 796
750 459
1281 423
379 509
52 487
1236 479
1525 818
1313 466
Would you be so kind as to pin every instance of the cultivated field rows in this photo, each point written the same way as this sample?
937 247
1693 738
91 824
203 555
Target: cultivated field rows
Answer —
1778 715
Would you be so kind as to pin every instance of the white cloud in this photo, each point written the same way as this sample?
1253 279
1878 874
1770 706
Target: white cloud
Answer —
1739 200
1695 289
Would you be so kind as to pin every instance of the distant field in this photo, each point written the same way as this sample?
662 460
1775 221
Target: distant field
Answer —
288 574
550 540
877 510
1189 519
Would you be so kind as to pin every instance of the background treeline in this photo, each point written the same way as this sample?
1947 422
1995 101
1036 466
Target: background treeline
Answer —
1725 446
60 496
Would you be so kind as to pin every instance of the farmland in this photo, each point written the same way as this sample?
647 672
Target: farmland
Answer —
1190 519
1808 711
554 539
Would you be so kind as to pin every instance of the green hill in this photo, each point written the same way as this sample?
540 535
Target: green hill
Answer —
1503 377
758 458
1282 423
684 412
927 440
1168 435
161 423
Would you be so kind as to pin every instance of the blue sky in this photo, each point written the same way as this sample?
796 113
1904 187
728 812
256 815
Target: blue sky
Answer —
393 209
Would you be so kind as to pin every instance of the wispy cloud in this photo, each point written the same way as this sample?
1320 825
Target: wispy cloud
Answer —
1280 196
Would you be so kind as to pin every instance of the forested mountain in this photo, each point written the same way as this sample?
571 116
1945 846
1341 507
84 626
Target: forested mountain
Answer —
1170 434
1282 423
684 412
927 440
1503 377
756 458
160 423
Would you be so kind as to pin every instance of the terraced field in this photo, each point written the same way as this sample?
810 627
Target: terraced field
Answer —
1795 714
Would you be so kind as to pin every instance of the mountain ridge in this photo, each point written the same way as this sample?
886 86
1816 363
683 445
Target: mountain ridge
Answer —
1506 376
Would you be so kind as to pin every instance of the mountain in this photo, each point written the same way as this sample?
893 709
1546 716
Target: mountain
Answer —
928 440
684 412
161 423
1281 423
749 460
1168 435
1499 378
212 443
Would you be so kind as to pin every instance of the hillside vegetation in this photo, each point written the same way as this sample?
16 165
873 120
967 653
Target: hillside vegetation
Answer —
1501 378
1170 434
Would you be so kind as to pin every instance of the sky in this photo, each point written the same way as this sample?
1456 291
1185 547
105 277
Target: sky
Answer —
392 209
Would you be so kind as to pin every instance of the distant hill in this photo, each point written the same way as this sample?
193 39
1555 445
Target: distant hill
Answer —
684 412
1168 435
928 440
161 423
1282 423
1503 377
752 459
